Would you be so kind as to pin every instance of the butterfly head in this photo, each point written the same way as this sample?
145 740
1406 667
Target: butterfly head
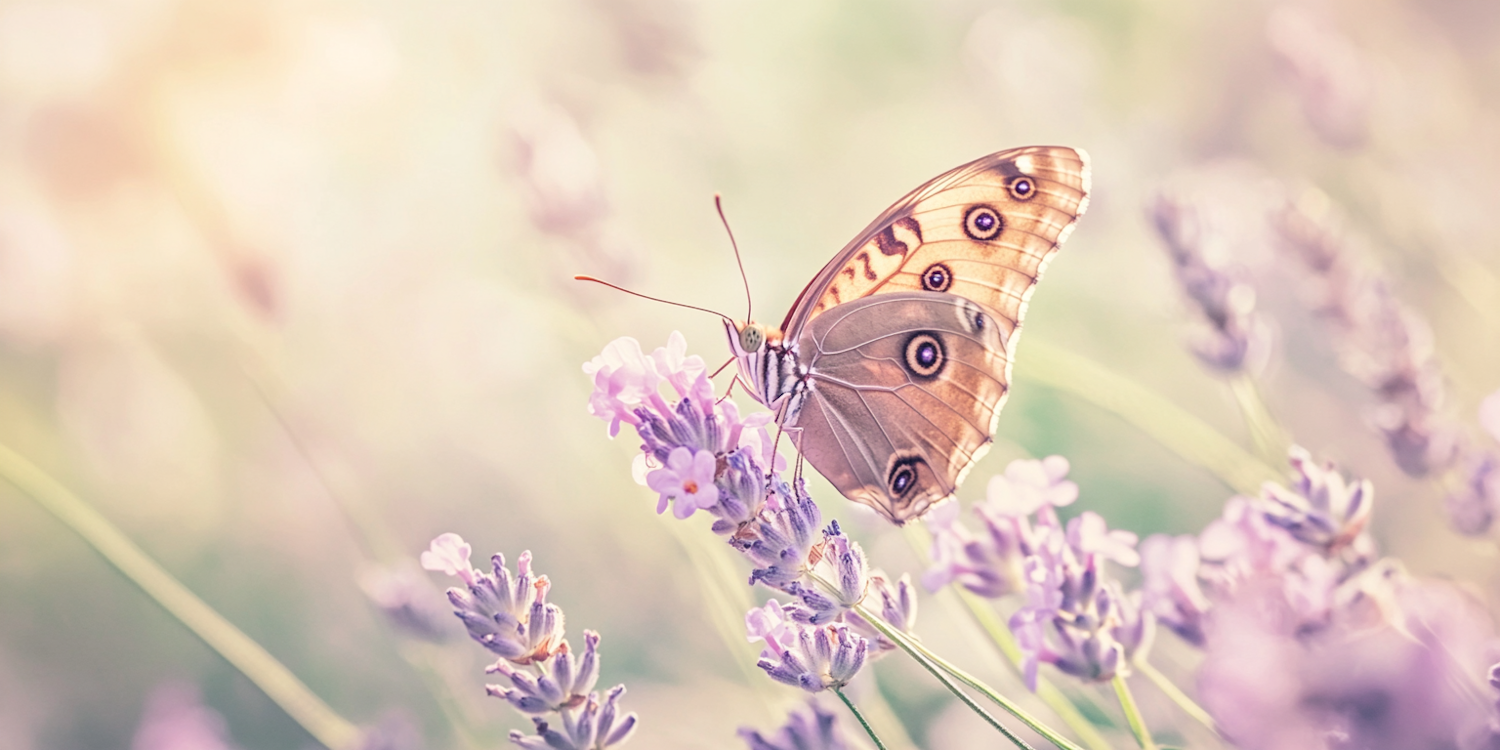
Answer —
748 339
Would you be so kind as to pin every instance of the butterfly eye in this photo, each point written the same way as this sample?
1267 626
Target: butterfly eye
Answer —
924 356
903 477
1022 188
751 337
982 223
937 278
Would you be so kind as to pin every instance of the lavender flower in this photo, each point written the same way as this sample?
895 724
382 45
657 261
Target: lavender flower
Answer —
1380 342
991 564
1320 508
705 456
559 684
1075 618
687 478
812 657
784 538
509 616
1235 338
811 728
1170 590
842 579
1474 503
593 726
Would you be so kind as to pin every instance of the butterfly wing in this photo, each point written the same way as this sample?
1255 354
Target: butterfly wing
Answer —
984 231
902 398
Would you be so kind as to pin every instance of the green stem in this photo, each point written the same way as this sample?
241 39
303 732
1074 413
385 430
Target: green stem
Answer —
1175 694
984 615
850 704
252 660
942 668
1265 432
1049 694
1132 713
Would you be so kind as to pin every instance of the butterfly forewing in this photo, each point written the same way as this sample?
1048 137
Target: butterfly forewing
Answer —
903 397
938 239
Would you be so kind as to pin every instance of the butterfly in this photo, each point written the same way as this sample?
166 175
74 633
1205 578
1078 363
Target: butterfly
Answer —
890 370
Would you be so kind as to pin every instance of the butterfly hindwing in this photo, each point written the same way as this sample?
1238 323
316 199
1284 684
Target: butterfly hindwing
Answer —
903 396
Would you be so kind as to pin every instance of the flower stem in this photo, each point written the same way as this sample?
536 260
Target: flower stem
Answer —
873 737
1265 432
249 657
1049 694
941 669
1132 713
1175 694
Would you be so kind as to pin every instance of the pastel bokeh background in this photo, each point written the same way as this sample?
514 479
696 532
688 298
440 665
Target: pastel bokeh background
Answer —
285 291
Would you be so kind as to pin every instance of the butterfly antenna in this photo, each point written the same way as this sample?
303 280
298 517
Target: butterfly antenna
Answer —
618 288
749 302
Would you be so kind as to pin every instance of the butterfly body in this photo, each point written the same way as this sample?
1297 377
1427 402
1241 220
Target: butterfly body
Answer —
891 368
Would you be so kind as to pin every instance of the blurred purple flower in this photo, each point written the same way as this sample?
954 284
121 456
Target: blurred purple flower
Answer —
1489 414
1075 618
1381 343
808 728
1169 572
990 564
1236 337
1329 75
1028 485
176 719
591 726
1368 684
406 599
1320 508
1473 504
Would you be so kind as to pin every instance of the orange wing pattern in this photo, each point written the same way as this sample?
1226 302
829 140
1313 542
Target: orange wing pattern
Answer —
984 231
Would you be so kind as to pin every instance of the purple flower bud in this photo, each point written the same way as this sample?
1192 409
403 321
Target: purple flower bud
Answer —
1169 569
1235 337
784 537
988 564
811 728
898 603
560 682
407 600
591 726
509 616
1320 508
1074 618
1472 506
821 657
840 563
